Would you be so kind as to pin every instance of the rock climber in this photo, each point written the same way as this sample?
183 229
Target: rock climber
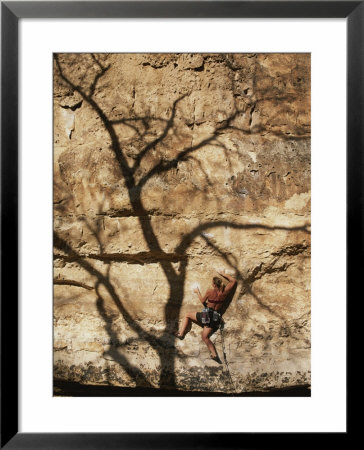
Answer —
209 319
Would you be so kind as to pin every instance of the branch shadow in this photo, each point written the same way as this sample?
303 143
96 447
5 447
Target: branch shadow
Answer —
133 372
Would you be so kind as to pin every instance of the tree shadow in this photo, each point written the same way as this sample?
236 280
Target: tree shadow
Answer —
134 184
133 372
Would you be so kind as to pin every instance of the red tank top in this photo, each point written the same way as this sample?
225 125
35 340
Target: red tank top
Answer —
216 296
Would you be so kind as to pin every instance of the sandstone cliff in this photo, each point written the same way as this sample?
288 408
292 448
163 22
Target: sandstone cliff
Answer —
166 167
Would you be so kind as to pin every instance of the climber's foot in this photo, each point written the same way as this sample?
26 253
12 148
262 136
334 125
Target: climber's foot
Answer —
179 336
216 358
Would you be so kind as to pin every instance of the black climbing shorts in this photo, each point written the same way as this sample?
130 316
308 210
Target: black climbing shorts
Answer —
215 319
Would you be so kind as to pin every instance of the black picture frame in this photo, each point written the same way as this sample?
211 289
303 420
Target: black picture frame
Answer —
11 12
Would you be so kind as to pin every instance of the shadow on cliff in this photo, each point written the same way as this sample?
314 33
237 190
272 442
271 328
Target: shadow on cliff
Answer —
135 180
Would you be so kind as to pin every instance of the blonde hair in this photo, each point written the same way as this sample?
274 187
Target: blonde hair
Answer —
218 283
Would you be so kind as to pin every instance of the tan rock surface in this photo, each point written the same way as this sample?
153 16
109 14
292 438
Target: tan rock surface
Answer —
167 167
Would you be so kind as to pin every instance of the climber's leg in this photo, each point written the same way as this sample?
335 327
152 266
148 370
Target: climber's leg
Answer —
186 321
205 337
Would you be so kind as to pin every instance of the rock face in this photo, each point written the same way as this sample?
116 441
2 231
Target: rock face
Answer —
166 167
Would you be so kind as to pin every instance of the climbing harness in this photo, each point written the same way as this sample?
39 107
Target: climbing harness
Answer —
205 317
210 317
225 359
216 319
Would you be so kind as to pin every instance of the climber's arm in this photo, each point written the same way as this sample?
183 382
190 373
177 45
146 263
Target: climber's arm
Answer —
232 281
201 298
